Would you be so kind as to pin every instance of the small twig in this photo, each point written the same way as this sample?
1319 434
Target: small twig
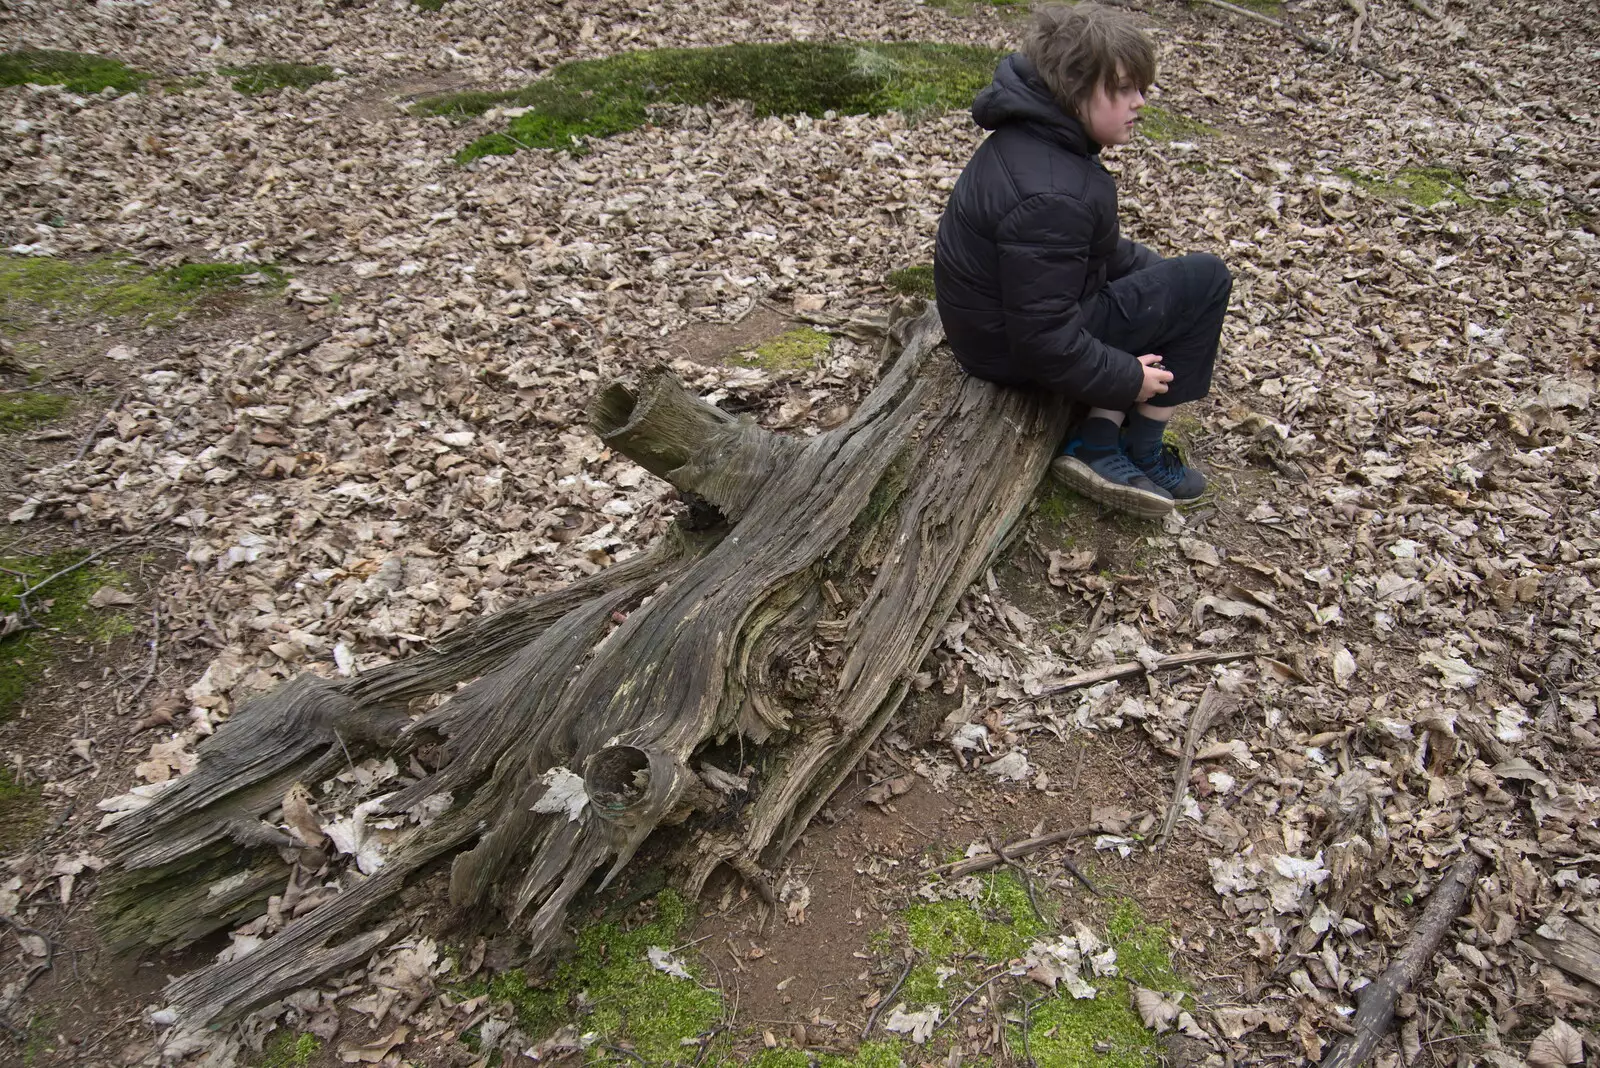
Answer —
872 1021
1022 873
627 1053
88 439
1128 671
1436 16
1027 1022
155 655
1212 703
22 598
958 1006
1095 619
1072 869
985 861
21 987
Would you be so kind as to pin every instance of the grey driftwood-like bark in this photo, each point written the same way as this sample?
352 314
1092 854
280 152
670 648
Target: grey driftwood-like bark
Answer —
792 623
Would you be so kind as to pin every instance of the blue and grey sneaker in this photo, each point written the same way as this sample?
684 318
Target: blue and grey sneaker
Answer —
1166 469
1111 479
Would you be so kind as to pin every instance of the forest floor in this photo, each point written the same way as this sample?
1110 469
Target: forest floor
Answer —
286 386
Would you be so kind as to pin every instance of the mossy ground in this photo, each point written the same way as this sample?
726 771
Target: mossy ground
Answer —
62 608
1064 1032
114 286
912 281
290 1050
27 408
258 78
1427 186
609 987
601 97
1159 124
77 72
870 1055
21 812
791 350
39 1041
1105 1031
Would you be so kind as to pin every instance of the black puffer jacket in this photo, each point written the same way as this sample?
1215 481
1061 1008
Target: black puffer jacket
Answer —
1030 234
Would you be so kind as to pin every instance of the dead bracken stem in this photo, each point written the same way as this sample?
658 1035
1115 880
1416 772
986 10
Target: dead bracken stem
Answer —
1211 704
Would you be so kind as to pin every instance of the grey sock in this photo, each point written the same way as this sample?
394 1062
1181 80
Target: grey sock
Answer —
1099 435
1144 435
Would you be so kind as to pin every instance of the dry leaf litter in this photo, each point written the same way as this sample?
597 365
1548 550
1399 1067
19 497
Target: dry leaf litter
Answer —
1407 545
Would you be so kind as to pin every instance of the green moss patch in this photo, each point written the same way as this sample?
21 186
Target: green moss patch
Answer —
1105 1031
21 812
1159 124
62 607
912 281
258 78
77 72
112 285
870 1055
791 350
600 97
609 987
26 408
429 5
963 941
290 1051
1427 186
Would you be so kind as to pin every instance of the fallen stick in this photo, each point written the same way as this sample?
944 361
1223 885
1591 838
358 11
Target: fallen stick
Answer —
1020 848
1128 671
1376 1011
872 1021
1316 44
1428 11
1211 704
88 439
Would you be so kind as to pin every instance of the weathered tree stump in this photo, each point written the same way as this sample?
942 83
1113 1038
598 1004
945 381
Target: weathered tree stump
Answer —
793 621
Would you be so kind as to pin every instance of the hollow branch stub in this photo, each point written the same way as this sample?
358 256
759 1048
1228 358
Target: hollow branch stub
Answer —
696 446
660 426
630 789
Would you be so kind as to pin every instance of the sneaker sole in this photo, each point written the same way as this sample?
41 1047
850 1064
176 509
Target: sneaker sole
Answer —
1131 499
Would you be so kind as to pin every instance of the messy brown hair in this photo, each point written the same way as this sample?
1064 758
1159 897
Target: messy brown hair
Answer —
1077 48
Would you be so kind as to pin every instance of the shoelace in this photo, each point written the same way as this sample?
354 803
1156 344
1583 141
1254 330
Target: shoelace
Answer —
1117 467
1166 469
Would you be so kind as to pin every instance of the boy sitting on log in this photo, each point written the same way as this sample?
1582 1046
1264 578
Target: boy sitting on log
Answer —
1037 289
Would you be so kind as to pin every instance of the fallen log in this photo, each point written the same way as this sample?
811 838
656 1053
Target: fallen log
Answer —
1375 1013
789 615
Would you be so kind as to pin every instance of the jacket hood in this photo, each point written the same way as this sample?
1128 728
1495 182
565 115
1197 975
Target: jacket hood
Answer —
1018 95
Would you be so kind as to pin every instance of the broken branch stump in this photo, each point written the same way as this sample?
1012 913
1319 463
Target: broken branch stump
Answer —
573 721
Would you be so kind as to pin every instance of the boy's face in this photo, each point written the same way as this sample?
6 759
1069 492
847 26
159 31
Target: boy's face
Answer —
1110 114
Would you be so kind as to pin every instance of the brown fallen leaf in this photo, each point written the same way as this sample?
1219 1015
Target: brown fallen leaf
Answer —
111 597
301 817
373 1052
1556 1046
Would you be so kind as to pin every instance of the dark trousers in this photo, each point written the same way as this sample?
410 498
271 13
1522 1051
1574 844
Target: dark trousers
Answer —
1173 308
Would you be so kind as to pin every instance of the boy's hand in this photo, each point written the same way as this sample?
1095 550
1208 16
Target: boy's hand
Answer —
1156 377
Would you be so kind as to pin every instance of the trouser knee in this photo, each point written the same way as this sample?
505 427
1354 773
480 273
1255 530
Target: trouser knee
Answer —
1211 276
